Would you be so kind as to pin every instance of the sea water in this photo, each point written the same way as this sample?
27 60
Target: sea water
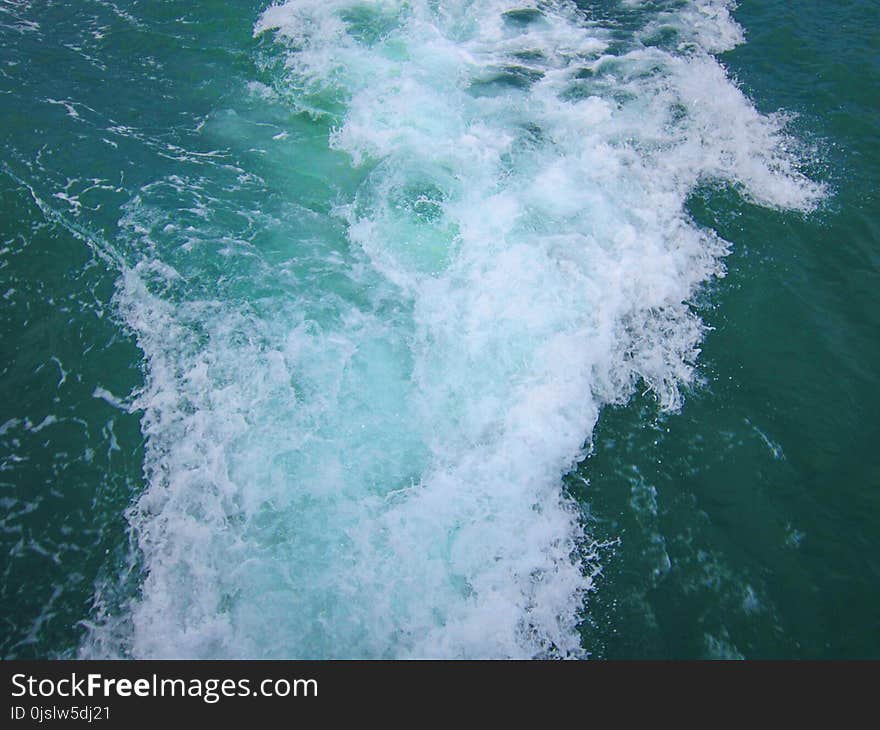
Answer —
375 329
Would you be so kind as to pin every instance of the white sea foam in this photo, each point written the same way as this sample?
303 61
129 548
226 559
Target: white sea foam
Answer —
373 468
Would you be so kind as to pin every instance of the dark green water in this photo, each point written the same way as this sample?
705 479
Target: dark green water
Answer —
224 451
764 492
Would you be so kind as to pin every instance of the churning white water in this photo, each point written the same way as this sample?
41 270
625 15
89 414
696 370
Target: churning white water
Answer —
359 411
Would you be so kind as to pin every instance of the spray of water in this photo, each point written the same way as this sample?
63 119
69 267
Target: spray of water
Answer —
358 413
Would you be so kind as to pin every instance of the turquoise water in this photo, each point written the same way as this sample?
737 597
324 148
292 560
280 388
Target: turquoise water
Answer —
439 329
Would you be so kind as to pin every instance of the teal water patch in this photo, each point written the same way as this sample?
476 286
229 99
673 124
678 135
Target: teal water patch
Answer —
762 538
371 272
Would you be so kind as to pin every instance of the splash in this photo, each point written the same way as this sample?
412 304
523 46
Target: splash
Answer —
359 410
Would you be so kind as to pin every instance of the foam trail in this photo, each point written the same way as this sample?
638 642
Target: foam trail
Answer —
367 462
